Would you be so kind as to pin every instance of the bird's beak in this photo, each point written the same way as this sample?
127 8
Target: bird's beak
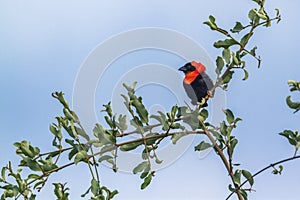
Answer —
183 69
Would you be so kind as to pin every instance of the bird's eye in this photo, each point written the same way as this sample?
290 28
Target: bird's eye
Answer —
192 68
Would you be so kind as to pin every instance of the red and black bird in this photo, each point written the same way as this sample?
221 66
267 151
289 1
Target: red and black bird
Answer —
196 83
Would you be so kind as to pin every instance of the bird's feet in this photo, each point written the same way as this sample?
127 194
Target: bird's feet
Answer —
209 93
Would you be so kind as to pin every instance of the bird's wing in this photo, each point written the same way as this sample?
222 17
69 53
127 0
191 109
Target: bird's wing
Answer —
207 80
190 93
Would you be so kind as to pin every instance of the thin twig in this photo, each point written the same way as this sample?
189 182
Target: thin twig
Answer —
264 169
149 127
94 160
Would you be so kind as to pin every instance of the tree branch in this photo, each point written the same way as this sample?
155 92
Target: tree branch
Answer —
264 169
222 156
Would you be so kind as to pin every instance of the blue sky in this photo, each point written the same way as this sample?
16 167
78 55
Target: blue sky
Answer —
44 45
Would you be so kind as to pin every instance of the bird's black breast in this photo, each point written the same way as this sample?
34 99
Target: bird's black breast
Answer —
198 88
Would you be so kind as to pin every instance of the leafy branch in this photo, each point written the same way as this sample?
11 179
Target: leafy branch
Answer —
292 136
71 139
275 171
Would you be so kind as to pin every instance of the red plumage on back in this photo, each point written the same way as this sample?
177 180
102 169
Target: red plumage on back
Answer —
199 67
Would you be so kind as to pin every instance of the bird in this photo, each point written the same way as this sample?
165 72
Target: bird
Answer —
197 83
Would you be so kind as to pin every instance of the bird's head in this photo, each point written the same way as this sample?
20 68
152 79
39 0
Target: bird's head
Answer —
191 67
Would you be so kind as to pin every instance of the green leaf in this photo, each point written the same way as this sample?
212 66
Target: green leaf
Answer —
244 194
107 109
33 196
237 120
81 156
277 12
42 182
231 147
202 146
32 164
229 116
203 114
145 173
112 194
278 15
48 165
72 153
237 177
27 149
72 131
10 191
82 133
237 28
211 23
131 146
104 136
136 102
275 171
248 176
174 111
3 173
147 181
122 124
226 55
262 14
291 136
158 161
253 51
68 114
106 158
141 167
257 1
245 39
192 119
293 105
60 97
253 16
57 191
136 122
176 126
246 75
126 101
295 86
34 176
162 119
177 136
232 189
228 77
223 128
109 122
151 141
95 186
225 43
220 65
130 89
140 109
56 132
75 117
183 111
212 19
235 59
229 130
